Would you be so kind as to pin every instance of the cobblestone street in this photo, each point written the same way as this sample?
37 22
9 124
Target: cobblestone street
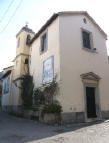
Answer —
17 130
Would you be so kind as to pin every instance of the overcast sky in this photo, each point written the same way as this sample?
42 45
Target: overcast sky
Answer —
15 13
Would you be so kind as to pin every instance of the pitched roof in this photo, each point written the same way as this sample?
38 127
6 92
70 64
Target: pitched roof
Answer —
5 74
52 18
7 67
55 15
86 14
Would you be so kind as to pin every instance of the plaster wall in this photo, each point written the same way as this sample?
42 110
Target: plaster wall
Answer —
75 60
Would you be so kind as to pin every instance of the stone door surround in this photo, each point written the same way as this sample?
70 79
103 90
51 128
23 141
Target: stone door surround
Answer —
91 80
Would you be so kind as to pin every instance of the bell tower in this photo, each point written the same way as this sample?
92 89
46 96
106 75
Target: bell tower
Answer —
21 61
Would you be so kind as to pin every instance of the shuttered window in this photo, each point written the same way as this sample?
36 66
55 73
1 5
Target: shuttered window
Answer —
44 43
86 39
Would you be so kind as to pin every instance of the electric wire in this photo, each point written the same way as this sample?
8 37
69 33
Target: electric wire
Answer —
11 17
6 10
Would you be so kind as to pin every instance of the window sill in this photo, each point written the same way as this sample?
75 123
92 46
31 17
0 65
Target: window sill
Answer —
42 52
90 50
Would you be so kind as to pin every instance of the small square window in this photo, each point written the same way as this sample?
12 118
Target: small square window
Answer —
86 39
44 43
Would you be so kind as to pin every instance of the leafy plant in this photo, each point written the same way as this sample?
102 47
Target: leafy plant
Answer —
52 108
39 97
45 94
50 90
27 90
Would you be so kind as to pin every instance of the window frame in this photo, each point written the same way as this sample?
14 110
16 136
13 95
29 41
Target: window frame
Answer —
86 40
91 41
41 52
28 38
26 61
6 85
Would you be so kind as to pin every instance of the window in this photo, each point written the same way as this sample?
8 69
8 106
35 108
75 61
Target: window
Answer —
86 39
18 43
44 43
26 61
6 85
84 20
28 39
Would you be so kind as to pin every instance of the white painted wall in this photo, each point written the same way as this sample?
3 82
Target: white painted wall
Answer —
76 61
71 60
36 66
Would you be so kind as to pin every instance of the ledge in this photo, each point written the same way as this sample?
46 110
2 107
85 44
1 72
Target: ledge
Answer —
90 50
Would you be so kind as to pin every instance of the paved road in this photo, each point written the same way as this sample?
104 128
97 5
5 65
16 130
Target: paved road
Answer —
17 130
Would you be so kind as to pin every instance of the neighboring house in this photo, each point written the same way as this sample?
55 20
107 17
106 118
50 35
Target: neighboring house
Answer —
6 100
1 73
72 46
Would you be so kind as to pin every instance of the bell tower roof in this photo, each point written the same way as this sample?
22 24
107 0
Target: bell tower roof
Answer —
27 29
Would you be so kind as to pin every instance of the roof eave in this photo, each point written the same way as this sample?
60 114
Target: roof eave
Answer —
100 29
55 15
30 31
6 74
52 18
84 13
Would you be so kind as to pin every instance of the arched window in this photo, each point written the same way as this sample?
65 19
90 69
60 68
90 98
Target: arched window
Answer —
28 39
26 61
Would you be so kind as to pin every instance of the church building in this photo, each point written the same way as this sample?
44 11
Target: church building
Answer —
72 46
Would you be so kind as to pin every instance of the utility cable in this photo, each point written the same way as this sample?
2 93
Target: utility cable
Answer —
6 10
11 17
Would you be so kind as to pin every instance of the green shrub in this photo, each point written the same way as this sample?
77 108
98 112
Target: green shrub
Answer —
45 94
39 97
52 108
27 90
50 90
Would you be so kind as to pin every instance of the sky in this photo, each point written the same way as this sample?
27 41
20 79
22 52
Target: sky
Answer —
14 14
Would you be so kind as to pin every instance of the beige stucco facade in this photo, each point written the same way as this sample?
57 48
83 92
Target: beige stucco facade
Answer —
12 100
37 58
64 42
20 68
75 60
